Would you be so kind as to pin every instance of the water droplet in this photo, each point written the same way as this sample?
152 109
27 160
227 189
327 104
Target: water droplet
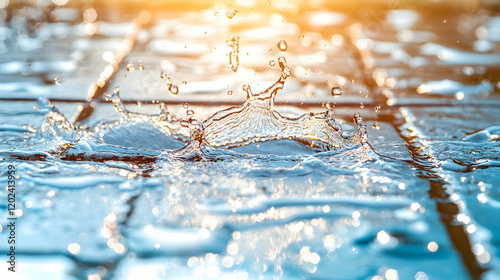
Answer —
170 84
216 13
285 71
282 46
231 13
57 81
124 76
301 36
229 92
233 43
163 107
361 105
189 113
336 91
117 101
268 3
377 108
248 90
184 82
185 105
130 67
272 63
173 89
140 67
376 126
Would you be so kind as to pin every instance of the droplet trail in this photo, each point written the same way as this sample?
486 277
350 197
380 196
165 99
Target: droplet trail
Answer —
233 43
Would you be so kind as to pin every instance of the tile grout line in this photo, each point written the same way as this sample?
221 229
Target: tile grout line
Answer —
425 161
488 104
99 87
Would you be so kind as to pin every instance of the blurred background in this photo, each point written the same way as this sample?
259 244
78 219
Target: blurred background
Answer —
424 75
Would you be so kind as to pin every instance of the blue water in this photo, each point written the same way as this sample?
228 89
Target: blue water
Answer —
135 162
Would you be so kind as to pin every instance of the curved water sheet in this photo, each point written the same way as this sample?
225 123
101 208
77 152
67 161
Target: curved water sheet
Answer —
256 121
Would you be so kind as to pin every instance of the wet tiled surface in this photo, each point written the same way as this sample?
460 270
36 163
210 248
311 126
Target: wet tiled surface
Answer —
425 210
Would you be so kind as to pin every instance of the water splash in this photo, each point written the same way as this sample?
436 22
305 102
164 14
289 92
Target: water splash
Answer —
56 128
164 121
254 121
193 149
257 121
233 43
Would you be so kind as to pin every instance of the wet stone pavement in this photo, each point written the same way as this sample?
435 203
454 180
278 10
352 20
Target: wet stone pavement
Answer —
423 205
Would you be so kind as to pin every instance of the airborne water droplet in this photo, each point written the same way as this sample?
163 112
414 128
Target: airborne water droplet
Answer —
282 46
57 81
377 108
173 89
248 90
140 67
185 105
233 43
376 126
231 13
170 84
272 63
229 92
285 71
130 67
361 105
190 113
336 91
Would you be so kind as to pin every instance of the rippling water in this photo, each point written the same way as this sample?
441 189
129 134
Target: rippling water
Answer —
233 143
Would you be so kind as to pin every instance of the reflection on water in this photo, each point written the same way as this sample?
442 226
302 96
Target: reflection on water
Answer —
190 177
